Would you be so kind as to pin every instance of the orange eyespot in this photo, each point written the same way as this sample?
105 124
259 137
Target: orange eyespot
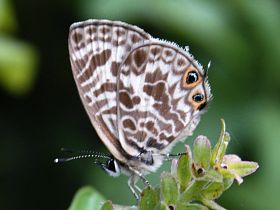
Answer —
191 78
197 100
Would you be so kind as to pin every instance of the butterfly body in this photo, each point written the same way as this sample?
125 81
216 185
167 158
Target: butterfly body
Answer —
142 94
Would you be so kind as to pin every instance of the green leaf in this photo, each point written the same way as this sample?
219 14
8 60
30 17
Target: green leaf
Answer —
149 199
163 206
227 173
221 146
212 204
211 176
184 171
107 206
192 192
213 190
120 207
227 183
242 168
169 189
192 206
201 153
173 169
234 167
86 199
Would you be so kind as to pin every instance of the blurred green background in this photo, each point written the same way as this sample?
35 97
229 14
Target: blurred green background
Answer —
40 110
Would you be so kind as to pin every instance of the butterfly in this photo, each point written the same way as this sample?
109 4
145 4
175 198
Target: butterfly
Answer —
142 94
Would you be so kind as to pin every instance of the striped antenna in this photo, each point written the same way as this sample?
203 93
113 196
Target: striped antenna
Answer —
83 154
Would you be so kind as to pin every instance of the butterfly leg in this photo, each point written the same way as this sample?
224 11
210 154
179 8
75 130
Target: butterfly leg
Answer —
176 155
146 182
133 187
169 156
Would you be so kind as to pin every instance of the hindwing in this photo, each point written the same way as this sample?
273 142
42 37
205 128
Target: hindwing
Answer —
155 104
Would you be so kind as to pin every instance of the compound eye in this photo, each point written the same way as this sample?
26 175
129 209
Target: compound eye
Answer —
111 165
198 97
191 77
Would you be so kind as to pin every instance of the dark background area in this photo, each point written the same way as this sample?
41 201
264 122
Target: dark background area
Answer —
40 110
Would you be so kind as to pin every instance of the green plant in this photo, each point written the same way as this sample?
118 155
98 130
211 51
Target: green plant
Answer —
195 181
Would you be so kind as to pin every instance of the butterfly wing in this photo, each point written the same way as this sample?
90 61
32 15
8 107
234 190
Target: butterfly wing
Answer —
97 48
155 104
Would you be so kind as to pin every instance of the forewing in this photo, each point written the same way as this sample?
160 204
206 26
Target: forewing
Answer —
97 48
155 106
